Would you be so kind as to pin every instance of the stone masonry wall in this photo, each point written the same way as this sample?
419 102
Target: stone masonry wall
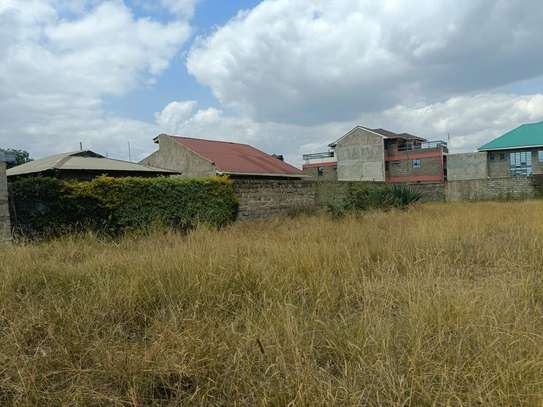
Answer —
5 228
265 198
261 199
494 188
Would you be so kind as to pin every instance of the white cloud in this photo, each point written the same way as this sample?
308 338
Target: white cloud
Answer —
313 61
183 8
56 71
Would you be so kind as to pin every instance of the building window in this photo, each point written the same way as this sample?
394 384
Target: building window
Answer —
502 156
320 171
491 156
521 163
416 163
540 155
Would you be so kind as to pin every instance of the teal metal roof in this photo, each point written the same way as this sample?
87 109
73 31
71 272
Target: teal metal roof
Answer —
527 135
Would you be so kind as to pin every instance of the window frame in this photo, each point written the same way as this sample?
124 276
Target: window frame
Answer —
520 163
416 163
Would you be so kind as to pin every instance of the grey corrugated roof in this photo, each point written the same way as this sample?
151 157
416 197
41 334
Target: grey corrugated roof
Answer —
391 134
382 132
81 160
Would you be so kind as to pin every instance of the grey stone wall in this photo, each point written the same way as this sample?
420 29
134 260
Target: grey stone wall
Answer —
261 199
431 192
5 227
493 188
265 198
328 173
361 156
467 166
171 155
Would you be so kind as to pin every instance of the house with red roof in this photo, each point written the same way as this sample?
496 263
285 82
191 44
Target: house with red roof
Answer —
194 157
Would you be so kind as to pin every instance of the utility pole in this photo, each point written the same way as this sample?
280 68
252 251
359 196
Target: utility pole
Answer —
129 152
80 146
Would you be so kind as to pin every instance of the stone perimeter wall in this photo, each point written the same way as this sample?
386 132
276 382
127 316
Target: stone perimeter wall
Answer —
261 199
265 198
495 188
5 227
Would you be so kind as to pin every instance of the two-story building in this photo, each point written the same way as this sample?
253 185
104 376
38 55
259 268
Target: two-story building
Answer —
365 154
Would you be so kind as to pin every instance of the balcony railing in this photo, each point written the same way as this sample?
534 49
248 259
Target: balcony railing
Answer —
316 156
423 146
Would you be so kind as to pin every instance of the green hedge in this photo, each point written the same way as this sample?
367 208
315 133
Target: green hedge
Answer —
42 207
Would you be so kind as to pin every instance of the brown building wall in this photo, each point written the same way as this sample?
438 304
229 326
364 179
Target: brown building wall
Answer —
174 156
499 162
404 168
5 226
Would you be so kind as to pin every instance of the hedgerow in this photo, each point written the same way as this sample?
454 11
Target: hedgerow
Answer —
45 207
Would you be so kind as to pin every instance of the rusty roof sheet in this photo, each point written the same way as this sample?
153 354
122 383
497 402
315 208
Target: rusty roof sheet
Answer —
240 159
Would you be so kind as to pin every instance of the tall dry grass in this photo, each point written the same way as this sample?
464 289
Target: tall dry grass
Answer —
439 305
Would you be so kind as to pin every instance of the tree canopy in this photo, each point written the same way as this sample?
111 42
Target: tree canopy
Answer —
21 156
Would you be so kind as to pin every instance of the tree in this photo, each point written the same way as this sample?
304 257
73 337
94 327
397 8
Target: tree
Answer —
21 156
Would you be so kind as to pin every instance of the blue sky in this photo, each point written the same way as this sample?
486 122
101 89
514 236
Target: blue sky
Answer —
287 76
176 82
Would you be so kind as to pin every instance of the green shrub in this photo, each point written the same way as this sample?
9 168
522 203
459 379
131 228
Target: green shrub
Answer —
363 197
47 207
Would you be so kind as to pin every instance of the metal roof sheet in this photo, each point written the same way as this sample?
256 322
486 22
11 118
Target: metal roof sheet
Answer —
240 159
527 135
82 161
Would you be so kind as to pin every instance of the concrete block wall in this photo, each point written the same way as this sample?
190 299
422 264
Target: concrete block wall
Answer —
360 155
5 226
467 166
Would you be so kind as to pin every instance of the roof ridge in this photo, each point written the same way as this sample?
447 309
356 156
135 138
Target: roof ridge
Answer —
210 141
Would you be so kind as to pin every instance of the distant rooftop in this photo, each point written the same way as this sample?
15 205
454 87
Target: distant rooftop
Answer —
82 161
527 135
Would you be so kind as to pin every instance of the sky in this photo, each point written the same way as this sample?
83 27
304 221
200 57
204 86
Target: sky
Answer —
287 76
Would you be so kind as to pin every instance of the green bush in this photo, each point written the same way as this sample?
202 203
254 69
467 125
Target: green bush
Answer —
43 207
363 197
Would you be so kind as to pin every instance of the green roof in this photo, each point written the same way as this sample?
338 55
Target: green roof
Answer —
527 135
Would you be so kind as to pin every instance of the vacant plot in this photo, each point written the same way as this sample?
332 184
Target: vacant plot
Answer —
438 305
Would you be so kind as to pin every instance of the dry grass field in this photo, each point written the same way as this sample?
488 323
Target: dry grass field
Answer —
438 305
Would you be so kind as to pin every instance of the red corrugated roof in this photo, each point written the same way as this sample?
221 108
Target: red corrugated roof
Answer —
235 158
